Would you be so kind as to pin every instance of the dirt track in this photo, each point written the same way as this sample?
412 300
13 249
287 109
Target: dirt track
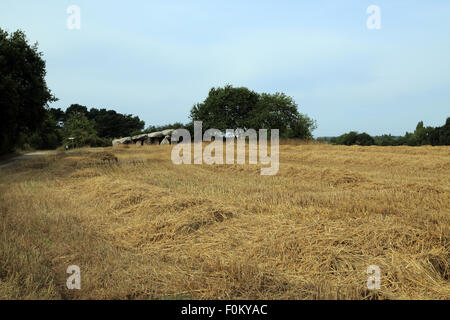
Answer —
25 156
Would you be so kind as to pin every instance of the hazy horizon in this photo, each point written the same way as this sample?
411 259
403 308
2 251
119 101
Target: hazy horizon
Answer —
156 60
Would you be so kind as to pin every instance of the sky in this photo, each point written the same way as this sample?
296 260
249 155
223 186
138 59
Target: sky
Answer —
156 59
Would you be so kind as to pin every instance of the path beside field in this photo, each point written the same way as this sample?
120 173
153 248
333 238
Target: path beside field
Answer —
30 155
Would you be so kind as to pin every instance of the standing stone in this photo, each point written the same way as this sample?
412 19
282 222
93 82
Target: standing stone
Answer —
166 140
125 140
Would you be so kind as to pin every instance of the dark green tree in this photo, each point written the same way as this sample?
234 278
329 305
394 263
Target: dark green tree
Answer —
347 139
76 108
364 139
226 108
423 134
441 135
232 108
279 111
79 127
47 136
354 137
110 124
386 140
57 114
409 139
24 94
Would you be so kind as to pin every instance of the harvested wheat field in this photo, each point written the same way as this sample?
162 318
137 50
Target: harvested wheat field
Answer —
141 227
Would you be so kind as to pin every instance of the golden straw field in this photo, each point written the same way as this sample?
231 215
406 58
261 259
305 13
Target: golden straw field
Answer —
144 228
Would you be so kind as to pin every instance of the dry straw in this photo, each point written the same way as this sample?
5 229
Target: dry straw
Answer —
140 227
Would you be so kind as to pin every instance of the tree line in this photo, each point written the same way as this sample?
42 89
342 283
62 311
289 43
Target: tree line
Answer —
28 121
435 136
93 127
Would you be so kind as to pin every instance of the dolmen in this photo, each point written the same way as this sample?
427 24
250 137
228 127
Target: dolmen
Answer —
159 137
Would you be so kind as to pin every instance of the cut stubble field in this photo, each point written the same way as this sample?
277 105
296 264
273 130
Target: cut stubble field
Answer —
140 227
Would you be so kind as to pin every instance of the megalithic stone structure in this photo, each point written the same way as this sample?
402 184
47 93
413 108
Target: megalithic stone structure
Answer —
159 137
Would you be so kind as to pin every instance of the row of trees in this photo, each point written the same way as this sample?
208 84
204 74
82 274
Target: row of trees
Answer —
107 123
224 108
436 136
232 108
94 127
28 120
24 105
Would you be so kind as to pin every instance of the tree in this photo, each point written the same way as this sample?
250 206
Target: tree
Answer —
302 127
441 135
423 134
364 139
354 137
409 139
47 136
386 140
226 108
24 94
57 114
232 108
110 124
79 127
76 108
278 111
347 139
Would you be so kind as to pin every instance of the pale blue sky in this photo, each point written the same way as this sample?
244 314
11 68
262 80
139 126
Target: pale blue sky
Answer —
155 59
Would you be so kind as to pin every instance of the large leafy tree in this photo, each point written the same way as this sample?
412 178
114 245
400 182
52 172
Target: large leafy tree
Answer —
57 114
79 128
48 136
279 111
354 137
107 123
232 108
24 94
76 108
110 124
423 134
226 108
441 135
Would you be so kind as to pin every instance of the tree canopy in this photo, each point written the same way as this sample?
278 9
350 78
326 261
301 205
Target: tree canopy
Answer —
76 108
83 132
354 137
111 124
232 108
24 94
28 120
436 136
94 127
